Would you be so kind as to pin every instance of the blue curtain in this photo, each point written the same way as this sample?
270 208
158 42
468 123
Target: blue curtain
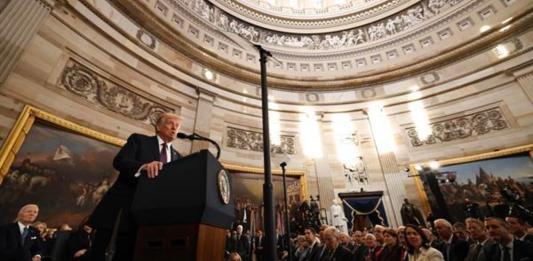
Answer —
364 210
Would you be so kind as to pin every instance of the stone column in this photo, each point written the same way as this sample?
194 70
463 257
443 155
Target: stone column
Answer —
324 177
19 22
202 120
390 171
394 180
526 82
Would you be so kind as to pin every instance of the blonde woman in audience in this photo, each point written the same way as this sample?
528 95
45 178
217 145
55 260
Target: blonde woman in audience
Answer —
418 247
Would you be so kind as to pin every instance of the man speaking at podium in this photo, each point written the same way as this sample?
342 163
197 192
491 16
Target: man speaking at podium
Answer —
141 155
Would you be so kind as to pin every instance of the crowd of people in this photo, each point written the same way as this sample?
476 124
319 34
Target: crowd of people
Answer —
490 239
28 239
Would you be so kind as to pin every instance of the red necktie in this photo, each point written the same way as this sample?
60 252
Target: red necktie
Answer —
163 154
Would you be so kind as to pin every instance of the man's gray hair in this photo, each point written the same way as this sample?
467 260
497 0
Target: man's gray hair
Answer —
443 221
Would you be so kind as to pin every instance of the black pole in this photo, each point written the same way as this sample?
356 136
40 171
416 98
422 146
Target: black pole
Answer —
287 221
268 195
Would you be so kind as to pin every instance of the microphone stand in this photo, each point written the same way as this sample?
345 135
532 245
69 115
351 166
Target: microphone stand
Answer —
287 221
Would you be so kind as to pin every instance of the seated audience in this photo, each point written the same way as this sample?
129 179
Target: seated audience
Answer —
391 251
476 230
518 227
451 247
334 251
506 247
314 245
418 247
19 241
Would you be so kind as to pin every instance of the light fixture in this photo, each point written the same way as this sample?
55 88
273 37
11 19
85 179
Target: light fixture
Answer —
420 118
484 28
344 141
208 74
310 137
274 123
501 51
434 165
382 131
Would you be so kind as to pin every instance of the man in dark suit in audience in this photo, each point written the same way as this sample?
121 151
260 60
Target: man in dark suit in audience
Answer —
334 251
506 248
518 227
241 244
141 155
314 245
478 233
452 247
19 241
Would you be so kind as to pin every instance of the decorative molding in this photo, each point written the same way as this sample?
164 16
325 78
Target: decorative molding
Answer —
253 141
375 31
146 38
475 124
84 82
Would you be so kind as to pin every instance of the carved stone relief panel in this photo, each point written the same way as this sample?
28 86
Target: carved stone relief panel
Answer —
475 124
253 141
84 82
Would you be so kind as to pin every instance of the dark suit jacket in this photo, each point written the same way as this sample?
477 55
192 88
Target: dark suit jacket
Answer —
476 250
458 249
11 248
314 254
341 254
522 251
138 150
359 253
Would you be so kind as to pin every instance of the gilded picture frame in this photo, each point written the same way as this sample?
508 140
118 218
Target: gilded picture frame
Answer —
58 164
471 171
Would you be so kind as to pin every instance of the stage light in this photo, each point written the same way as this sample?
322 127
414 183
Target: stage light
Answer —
310 133
383 135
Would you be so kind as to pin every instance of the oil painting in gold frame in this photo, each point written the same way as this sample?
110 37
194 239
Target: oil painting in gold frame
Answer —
60 165
484 183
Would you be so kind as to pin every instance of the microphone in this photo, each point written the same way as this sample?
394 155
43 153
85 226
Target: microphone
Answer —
195 136
182 135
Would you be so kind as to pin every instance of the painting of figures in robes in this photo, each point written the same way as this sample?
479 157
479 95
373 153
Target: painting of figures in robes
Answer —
64 172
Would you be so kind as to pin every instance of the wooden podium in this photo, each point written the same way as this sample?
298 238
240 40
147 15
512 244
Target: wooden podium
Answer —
184 212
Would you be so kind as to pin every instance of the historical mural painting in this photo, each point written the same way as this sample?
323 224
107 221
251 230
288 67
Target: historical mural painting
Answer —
64 172
481 187
248 197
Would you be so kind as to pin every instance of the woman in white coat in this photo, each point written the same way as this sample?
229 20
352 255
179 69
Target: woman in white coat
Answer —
418 248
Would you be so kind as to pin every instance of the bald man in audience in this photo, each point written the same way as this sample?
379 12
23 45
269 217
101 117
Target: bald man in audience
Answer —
19 241
141 155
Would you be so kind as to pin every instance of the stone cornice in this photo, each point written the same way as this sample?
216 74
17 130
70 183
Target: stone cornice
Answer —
294 25
205 57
